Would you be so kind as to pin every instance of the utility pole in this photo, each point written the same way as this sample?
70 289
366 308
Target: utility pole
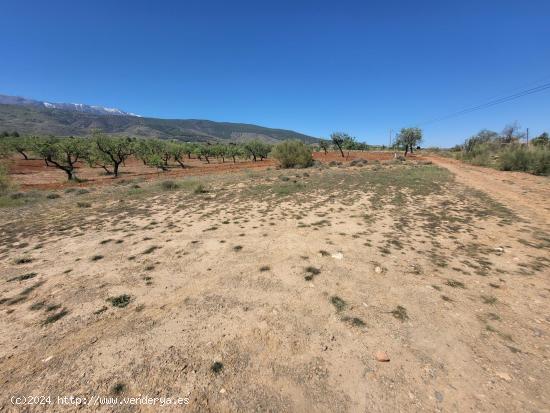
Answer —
527 136
389 147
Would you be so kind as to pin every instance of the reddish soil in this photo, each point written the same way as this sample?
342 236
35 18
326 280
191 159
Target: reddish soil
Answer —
34 174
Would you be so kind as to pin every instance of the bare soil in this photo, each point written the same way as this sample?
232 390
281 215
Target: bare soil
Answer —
280 290
35 174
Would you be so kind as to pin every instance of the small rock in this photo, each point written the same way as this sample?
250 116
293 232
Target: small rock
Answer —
338 255
382 356
438 396
222 391
378 270
504 376
47 359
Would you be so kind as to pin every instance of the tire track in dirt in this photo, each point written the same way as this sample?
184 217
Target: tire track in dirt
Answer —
527 195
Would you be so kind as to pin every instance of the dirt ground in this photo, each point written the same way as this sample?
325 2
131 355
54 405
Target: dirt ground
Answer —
35 174
282 291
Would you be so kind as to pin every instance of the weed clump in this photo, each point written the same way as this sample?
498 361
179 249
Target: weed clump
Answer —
337 302
354 321
54 317
23 277
169 185
455 284
118 388
120 301
488 299
216 367
199 189
311 272
400 313
150 249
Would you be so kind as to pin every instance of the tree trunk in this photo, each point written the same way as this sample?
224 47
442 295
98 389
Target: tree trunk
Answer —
406 149
411 148
234 161
115 168
341 151
24 155
70 174
207 160
181 163
325 149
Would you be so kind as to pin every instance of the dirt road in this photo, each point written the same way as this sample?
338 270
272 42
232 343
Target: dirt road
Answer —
525 194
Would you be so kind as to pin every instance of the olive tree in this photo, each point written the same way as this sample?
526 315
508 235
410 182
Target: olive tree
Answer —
204 151
220 151
257 149
20 144
112 151
65 153
178 150
324 146
338 139
153 151
409 138
234 151
44 147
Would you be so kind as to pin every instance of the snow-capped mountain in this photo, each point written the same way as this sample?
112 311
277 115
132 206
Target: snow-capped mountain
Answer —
75 107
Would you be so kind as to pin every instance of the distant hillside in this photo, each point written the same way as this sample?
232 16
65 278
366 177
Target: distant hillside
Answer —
76 107
37 120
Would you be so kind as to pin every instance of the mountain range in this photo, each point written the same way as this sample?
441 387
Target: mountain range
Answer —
34 117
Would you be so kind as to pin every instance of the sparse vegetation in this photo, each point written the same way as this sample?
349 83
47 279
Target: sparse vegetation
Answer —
507 151
120 301
400 313
338 303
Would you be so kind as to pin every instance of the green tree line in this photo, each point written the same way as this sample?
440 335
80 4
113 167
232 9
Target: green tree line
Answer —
110 153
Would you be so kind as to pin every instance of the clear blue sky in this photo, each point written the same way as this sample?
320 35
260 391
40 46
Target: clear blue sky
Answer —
361 67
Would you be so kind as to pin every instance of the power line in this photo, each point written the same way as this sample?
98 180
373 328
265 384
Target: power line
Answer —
491 103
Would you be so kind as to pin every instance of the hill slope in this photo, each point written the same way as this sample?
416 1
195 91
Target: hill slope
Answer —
35 120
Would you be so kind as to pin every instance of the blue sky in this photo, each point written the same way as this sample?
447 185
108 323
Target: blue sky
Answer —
315 67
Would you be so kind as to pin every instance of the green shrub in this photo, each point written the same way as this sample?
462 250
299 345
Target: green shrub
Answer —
478 154
292 154
169 185
519 158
